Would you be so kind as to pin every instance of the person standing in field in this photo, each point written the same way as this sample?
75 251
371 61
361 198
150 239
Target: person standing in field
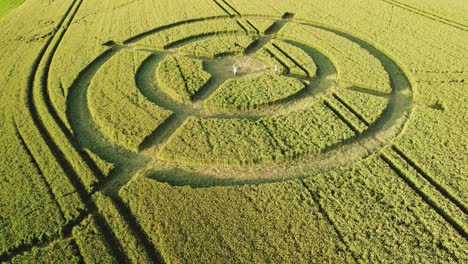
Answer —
276 68
234 70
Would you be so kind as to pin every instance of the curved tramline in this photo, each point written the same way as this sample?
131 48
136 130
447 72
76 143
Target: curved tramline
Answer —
222 122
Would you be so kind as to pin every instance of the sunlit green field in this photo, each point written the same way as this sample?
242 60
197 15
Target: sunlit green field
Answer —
234 131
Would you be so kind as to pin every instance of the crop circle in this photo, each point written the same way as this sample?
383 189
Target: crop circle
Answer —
247 103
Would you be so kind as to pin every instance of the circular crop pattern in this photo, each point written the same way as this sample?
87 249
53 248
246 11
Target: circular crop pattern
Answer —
238 99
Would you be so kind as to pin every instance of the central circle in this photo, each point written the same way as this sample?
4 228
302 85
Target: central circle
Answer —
245 65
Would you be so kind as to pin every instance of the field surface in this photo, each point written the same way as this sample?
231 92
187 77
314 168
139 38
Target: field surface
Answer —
234 131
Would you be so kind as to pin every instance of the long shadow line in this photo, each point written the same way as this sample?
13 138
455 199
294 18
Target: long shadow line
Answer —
347 114
244 28
253 26
280 61
428 15
291 59
165 27
351 109
428 200
431 180
41 173
231 7
368 91
137 230
223 8
175 24
315 197
348 123
183 41
81 259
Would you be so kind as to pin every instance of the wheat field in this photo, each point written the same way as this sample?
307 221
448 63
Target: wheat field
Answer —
234 131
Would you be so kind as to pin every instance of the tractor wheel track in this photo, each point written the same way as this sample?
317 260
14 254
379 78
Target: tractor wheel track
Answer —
428 15
37 80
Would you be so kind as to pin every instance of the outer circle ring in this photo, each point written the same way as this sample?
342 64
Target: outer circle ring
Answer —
379 135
